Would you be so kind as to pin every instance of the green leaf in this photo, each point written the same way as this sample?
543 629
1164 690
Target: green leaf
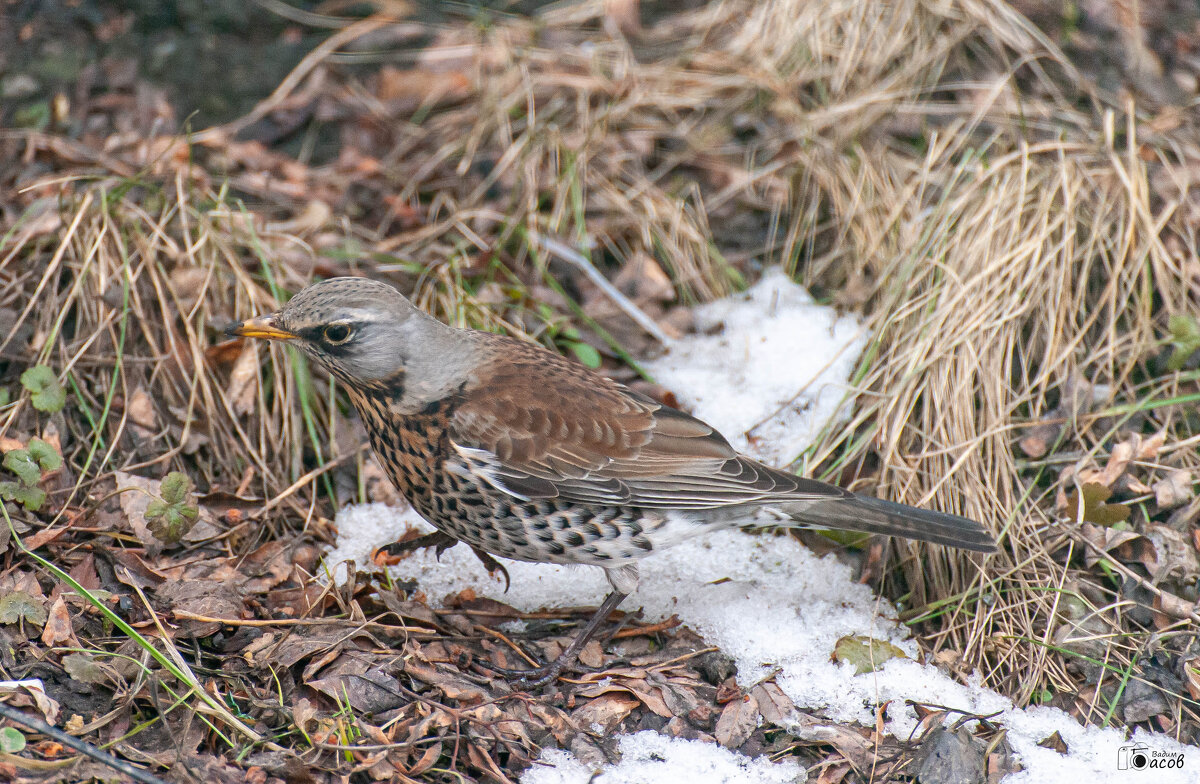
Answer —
18 605
170 517
865 653
21 463
175 487
45 392
5 397
31 498
1185 340
83 667
11 740
586 354
46 456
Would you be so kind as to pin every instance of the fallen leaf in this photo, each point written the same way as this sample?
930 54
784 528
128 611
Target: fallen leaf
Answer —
136 493
58 627
140 408
604 713
362 684
19 605
32 691
1088 503
865 653
242 391
1054 741
737 723
201 597
775 706
1175 489
949 757
84 667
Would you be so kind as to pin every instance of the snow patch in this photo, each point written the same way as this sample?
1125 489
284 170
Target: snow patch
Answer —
649 757
769 366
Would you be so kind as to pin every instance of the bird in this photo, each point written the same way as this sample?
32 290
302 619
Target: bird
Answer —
521 453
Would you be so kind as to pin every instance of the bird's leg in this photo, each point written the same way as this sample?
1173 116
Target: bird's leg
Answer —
390 554
532 679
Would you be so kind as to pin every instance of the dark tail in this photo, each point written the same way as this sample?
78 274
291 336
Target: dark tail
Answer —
876 516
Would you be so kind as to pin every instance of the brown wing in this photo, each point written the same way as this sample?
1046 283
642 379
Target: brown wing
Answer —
539 426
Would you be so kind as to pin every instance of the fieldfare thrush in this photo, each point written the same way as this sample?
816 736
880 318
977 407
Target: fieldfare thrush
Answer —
521 453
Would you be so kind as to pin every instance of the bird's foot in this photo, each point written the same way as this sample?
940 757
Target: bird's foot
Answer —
492 566
540 676
392 554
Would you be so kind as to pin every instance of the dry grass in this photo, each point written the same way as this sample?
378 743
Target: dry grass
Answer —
922 158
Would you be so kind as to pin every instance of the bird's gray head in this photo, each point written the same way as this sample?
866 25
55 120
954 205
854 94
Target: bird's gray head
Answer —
361 330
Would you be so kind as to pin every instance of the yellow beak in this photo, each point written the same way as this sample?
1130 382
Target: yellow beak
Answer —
262 327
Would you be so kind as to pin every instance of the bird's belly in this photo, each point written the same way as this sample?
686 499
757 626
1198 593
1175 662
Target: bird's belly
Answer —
415 453
554 531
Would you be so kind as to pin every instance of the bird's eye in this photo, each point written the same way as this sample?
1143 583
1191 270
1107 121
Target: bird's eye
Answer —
336 334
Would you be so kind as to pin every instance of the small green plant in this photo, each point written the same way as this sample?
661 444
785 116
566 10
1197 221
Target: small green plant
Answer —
30 465
11 740
171 516
567 336
45 392
20 606
1185 340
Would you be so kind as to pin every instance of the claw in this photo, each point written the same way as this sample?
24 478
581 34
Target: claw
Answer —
492 566
540 676
392 554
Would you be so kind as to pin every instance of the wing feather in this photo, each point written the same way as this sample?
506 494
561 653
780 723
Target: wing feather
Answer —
536 425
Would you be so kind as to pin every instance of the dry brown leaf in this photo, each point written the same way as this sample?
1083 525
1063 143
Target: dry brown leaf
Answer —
775 706
416 86
208 598
32 691
1104 539
603 714
452 685
737 723
242 391
362 683
1173 490
1173 557
58 628
189 285
1118 462
592 655
136 492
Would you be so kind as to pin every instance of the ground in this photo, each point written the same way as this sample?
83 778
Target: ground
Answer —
1004 206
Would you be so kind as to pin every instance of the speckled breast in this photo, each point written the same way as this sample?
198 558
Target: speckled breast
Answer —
416 452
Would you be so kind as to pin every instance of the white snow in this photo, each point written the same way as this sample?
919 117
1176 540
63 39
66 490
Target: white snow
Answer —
766 601
649 757
768 365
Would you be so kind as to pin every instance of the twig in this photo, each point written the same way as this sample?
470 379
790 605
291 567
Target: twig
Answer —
101 756
184 615
581 262
508 642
